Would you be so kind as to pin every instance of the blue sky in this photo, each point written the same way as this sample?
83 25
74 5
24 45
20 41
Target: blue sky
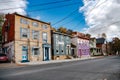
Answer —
75 21
98 14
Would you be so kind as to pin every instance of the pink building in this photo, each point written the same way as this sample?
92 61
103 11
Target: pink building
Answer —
82 44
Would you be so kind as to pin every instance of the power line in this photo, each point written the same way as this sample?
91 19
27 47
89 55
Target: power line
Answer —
96 6
93 9
70 20
65 17
37 5
54 7
89 13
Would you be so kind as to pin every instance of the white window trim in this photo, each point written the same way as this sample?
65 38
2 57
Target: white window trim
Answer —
38 51
21 32
33 35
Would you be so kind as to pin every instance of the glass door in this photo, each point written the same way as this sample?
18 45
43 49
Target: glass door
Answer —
46 53
24 53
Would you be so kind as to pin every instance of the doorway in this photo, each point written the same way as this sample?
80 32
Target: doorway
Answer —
24 54
46 53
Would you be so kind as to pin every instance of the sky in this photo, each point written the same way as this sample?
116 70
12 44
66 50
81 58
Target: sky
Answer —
88 16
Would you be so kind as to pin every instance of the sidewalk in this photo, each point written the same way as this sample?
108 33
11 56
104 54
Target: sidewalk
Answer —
13 65
8 65
56 61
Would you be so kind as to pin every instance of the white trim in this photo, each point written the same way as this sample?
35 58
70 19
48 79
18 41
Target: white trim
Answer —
44 54
49 54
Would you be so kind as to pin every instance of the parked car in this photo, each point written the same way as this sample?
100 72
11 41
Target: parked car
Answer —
3 58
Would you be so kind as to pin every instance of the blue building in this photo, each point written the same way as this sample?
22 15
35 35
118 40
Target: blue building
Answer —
61 46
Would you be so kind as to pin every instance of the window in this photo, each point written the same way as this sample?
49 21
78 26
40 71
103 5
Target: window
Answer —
62 49
35 24
57 48
24 52
24 21
35 51
24 32
62 38
44 36
44 26
35 34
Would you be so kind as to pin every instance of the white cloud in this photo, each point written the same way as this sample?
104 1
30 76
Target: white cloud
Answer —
102 16
19 5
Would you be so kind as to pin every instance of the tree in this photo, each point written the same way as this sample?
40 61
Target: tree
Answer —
116 44
53 29
88 35
62 30
104 35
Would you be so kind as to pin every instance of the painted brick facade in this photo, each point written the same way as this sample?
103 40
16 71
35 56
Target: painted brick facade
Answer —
35 47
82 43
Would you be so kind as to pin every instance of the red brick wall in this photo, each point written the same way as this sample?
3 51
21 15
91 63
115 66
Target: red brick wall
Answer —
10 33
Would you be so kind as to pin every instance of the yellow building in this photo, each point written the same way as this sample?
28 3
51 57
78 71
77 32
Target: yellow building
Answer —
26 39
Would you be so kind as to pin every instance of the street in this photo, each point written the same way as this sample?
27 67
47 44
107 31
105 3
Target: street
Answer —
107 68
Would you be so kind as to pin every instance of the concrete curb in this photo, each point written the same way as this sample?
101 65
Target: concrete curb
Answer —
56 61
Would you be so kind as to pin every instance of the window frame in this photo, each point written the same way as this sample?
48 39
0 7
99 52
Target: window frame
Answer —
33 52
43 37
33 35
21 32
24 21
44 26
35 24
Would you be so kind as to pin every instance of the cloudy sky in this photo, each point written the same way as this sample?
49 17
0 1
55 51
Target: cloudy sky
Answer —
88 16
102 16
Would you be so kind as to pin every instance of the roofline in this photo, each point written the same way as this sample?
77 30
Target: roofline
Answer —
62 34
31 18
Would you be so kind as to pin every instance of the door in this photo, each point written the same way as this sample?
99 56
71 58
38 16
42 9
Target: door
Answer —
24 53
46 53
73 54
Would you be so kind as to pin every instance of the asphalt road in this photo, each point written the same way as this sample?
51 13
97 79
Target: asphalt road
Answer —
107 68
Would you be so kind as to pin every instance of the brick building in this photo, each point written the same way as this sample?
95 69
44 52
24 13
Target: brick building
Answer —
26 39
